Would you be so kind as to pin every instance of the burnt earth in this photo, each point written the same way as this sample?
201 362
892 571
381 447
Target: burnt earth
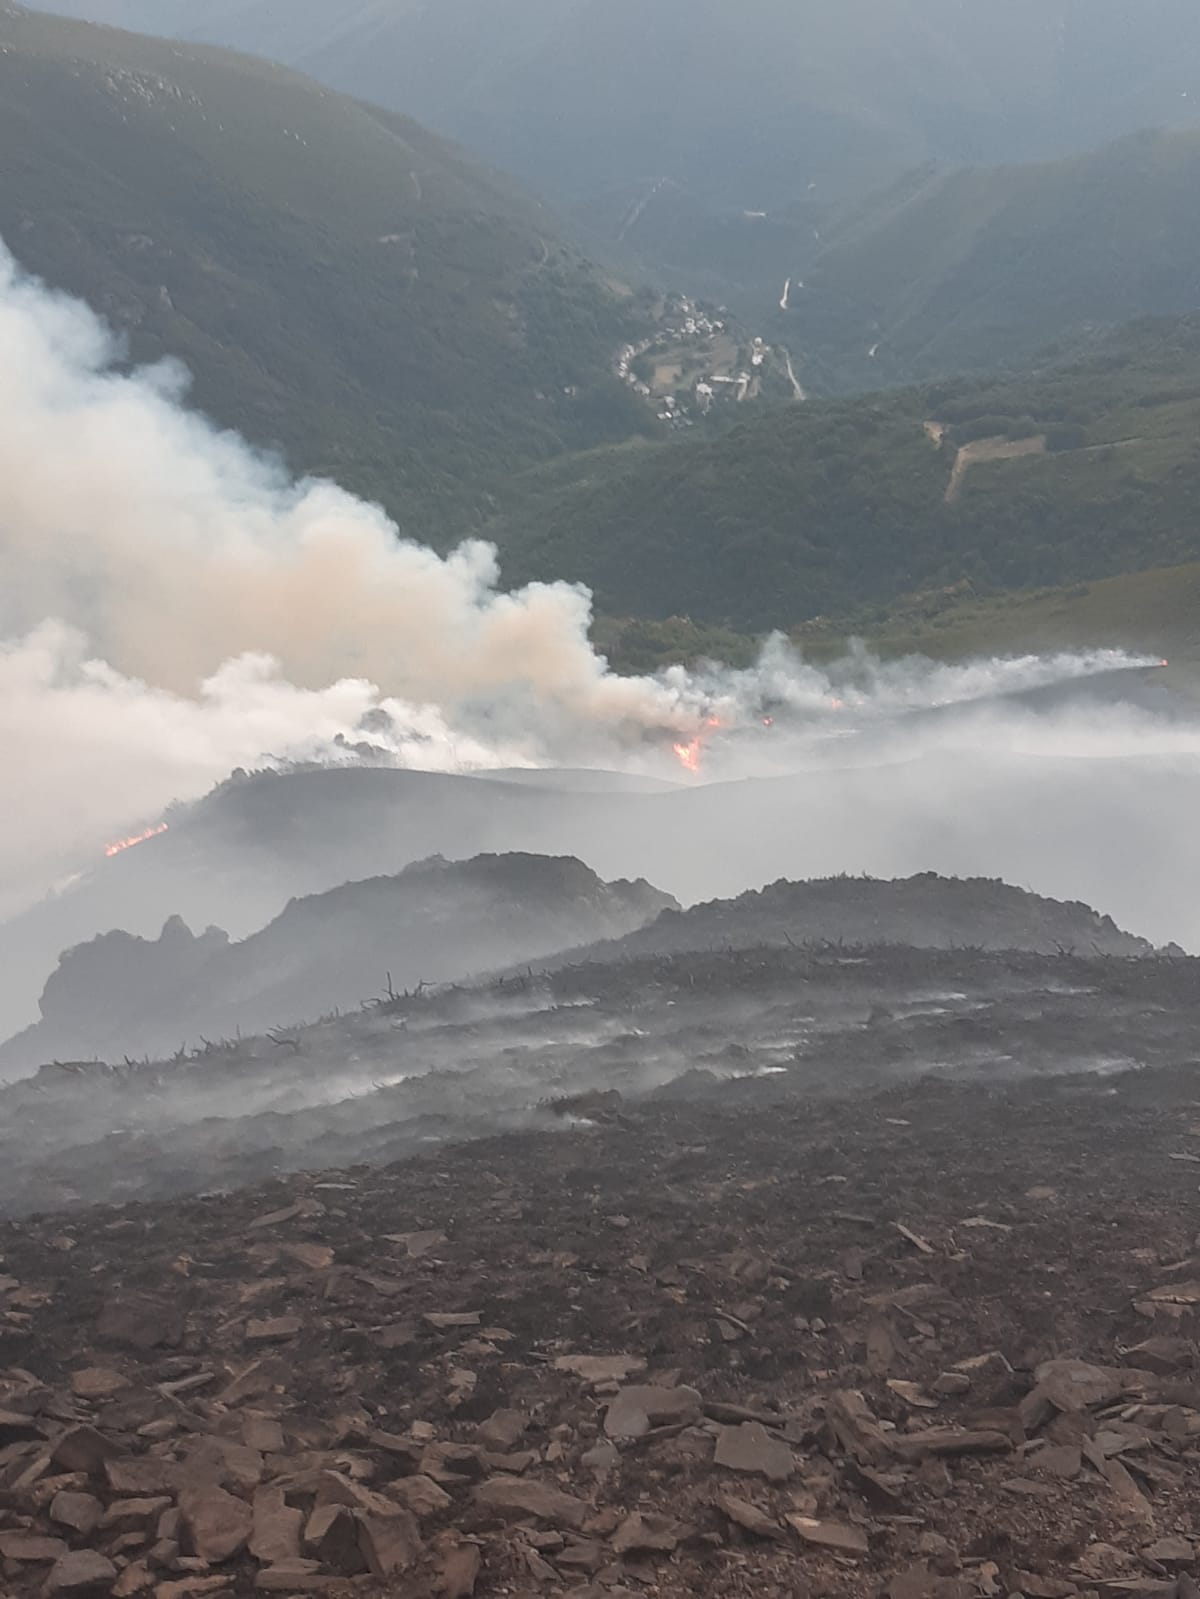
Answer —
925 1336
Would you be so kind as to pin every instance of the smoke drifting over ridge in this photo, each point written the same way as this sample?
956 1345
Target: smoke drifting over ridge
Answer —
172 605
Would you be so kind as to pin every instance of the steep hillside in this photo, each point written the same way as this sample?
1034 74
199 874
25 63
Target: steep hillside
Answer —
435 922
975 269
1074 471
342 283
709 111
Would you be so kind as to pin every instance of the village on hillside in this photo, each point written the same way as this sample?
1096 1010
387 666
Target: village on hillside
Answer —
694 362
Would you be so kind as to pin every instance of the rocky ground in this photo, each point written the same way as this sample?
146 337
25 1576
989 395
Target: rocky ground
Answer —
930 1337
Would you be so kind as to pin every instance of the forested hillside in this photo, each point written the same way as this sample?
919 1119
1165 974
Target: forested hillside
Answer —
975 269
343 284
665 124
1074 471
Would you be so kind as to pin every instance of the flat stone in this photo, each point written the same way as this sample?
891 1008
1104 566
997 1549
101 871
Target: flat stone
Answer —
140 1476
512 1498
27 1546
459 1572
136 1578
836 1535
294 1576
332 1535
752 1449
952 1385
1064 1461
82 1571
79 1511
97 1382
275 1534
749 1517
273 1330
126 1513
264 1434
601 1368
647 1534
503 1430
637 1410
421 1495
218 1525
313 1257
389 1544
1171 1552
191 1587
1076 1385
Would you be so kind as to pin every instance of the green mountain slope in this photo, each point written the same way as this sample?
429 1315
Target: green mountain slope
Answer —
342 283
1073 472
979 268
730 108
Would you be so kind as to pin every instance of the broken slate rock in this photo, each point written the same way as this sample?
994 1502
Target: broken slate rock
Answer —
79 1511
646 1534
82 1571
389 1544
512 1498
601 1368
275 1535
293 1577
332 1536
273 1329
421 1495
459 1572
1064 1461
503 1430
836 1535
752 1449
1070 1385
218 1525
26 1546
97 1382
748 1517
636 1411
1171 1552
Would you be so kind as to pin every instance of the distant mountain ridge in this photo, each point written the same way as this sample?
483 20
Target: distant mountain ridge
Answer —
737 108
982 268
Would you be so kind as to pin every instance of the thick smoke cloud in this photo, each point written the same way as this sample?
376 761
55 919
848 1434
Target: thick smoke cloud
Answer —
172 606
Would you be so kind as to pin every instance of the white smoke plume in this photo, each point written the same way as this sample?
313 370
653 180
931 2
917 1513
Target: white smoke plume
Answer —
172 605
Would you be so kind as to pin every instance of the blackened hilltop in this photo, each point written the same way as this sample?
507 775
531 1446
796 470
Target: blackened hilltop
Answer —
926 911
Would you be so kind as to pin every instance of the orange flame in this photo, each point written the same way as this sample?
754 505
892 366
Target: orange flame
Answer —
122 844
688 755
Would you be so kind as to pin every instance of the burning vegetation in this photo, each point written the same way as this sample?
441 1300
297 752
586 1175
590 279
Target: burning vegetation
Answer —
120 845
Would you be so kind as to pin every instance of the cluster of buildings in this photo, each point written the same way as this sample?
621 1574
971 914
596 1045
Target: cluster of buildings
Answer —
684 326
